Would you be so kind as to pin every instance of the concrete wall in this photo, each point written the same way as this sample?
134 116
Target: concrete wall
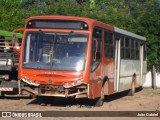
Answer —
148 81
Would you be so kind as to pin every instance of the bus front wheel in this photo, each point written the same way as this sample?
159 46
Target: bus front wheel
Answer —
99 101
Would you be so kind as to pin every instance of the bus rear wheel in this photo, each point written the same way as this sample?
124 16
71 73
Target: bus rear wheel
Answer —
133 87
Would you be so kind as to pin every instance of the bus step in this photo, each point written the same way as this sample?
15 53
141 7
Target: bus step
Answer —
17 96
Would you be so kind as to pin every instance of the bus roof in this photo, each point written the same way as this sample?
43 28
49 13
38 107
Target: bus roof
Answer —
8 35
60 17
91 21
124 32
88 20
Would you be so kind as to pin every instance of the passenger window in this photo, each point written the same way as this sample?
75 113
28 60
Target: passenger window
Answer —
137 49
130 49
133 50
108 45
127 48
122 48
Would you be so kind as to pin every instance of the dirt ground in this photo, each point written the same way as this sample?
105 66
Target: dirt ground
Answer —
143 100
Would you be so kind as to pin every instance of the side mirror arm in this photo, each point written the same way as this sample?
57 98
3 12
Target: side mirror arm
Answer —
14 33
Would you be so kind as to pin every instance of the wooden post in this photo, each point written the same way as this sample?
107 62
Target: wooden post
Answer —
153 72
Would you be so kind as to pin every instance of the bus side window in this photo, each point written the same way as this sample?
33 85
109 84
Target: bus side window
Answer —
122 48
96 43
137 49
108 45
127 48
133 50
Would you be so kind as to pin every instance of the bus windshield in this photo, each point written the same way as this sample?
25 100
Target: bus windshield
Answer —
55 51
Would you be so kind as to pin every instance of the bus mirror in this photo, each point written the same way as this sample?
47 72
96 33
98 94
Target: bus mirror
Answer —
13 40
16 39
14 44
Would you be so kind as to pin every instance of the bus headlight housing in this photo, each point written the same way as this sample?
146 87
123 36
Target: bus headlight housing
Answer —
79 81
29 81
66 84
73 83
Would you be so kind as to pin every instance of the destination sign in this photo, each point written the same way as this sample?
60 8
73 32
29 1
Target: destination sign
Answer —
58 24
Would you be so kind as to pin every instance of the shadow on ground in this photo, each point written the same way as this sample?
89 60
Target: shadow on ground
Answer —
63 102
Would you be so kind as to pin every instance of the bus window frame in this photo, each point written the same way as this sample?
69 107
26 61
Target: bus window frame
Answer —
96 62
108 45
137 43
15 39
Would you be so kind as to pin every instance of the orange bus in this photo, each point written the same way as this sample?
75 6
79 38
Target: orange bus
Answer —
67 56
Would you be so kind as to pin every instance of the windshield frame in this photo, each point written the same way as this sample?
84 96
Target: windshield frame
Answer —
69 33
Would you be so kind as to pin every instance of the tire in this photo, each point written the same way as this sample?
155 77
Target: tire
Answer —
44 100
99 101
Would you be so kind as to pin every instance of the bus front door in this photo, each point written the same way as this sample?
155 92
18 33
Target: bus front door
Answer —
117 64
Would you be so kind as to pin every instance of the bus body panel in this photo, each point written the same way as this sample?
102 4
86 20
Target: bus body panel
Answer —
127 69
57 76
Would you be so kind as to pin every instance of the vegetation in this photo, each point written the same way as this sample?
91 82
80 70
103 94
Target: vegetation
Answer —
138 16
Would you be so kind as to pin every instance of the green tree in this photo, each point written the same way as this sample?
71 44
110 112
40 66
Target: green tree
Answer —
147 15
138 16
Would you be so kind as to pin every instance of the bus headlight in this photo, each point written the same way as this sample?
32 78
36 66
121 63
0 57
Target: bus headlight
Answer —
66 85
35 82
72 83
79 81
29 81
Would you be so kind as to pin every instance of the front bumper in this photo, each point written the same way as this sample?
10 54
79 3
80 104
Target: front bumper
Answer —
60 90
